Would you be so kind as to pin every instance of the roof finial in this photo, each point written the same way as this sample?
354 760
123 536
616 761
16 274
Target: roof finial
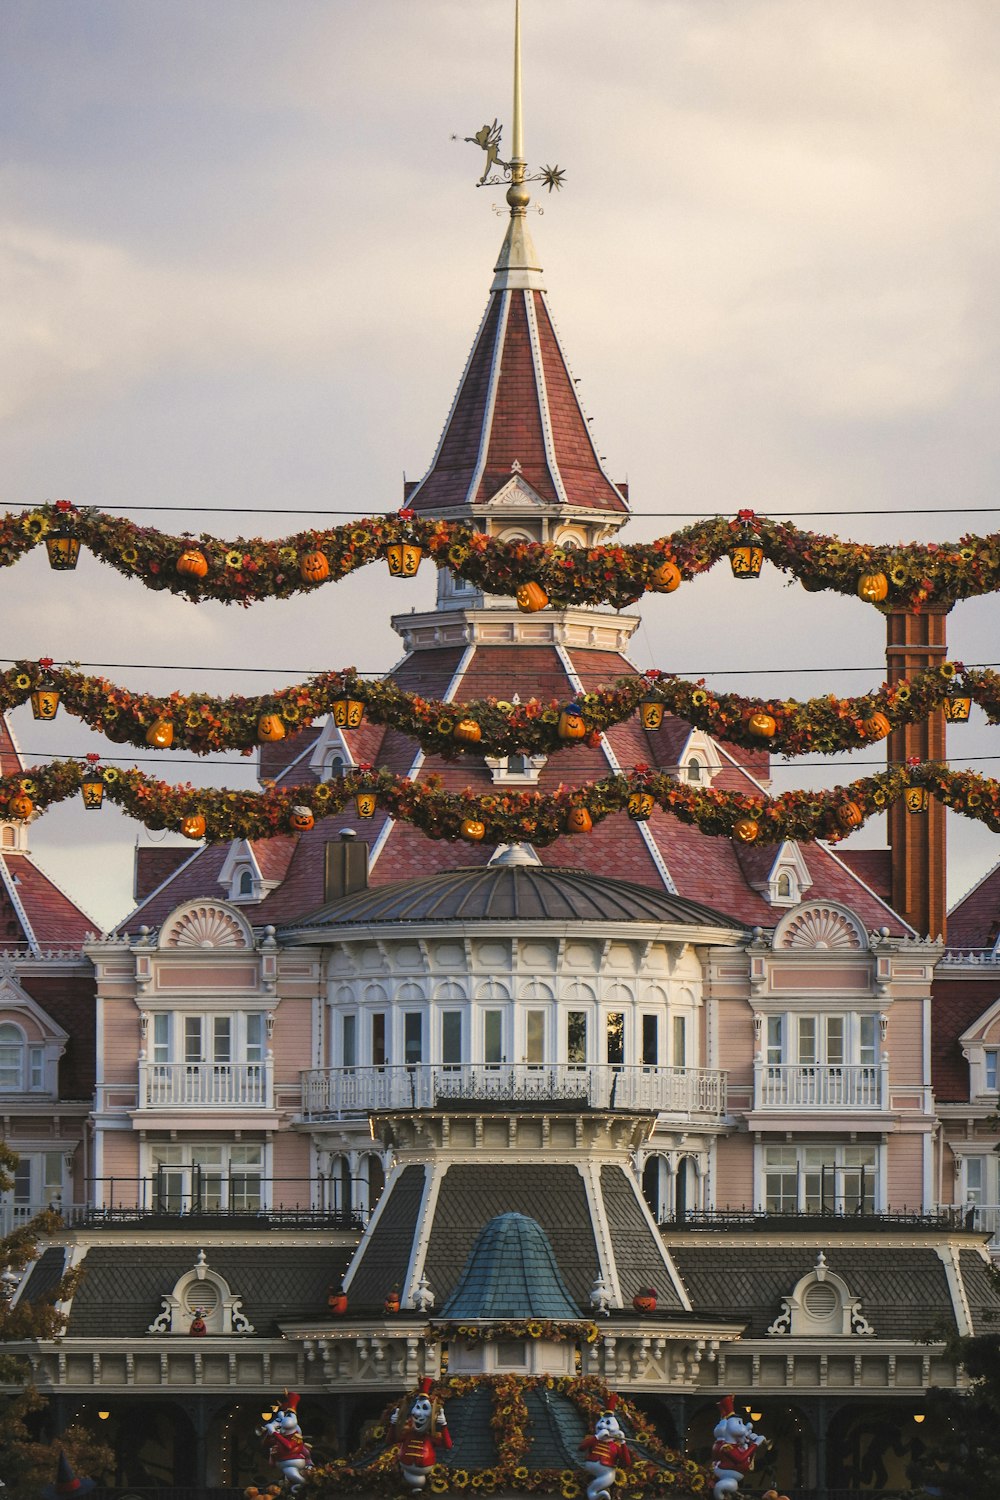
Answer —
517 194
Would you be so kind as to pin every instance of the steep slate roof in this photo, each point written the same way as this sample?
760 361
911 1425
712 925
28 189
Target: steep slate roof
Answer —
956 1004
974 922
385 1251
511 1272
638 1251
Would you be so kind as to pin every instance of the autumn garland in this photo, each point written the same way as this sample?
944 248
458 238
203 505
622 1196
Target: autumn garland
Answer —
656 1470
247 569
202 724
508 817
553 1330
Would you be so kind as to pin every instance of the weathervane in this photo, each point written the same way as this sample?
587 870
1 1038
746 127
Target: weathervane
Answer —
512 174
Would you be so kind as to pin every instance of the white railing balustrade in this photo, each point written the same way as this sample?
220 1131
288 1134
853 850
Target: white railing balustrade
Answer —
204 1085
819 1086
14 1214
331 1092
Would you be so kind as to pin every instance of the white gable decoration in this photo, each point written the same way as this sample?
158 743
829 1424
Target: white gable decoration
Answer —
201 1291
821 925
821 1304
205 924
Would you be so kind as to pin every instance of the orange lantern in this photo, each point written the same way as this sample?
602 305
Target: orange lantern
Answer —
917 799
366 803
761 725
63 549
314 567
645 1299
665 578
92 790
193 826
403 559
160 734
20 805
640 805
873 587
531 597
337 1302
472 829
571 725
650 713
192 563
745 830
270 727
348 712
957 707
468 731
45 702
746 557
391 1303
301 819
876 726
578 820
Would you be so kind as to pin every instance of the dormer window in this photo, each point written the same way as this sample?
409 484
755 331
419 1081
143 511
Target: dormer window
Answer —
246 883
515 770
783 886
22 1068
990 1059
336 768
7 838
693 769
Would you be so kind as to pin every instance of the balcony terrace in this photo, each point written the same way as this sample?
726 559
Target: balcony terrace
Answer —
333 1093
861 1086
206 1085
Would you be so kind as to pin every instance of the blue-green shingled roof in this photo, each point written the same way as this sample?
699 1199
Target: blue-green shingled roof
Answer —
511 1272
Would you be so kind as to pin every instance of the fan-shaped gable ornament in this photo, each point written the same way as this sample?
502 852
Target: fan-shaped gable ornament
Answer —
205 924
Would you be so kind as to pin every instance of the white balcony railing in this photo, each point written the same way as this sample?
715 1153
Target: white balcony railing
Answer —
204 1085
984 1217
14 1214
819 1086
331 1092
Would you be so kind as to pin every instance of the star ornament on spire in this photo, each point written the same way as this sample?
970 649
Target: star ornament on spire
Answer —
553 177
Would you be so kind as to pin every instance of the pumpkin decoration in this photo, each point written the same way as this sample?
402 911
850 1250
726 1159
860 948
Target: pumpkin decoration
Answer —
301 818
762 725
44 702
193 826
92 790
160 734
314 567
571 725
665 578
745 830
20 805
578 819
472 829
873 587
468 731
917 799
531 597
645 1299
391 1303
876 726
336 1301
270 727
403 559
348 712
957 707
849 815
192 563
63 550
365 803
650 713
640 805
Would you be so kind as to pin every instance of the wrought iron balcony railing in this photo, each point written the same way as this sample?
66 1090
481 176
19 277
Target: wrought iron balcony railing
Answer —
330 1093
205 1085
192 1194
820 1086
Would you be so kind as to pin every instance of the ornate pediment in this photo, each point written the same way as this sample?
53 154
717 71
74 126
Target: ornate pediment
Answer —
821 1304
205 924
201 1297
821 925
516 494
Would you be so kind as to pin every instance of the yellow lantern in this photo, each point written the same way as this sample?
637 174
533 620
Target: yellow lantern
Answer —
348 712
917 799
160 734
63 550
366 803
92 790
957 707
45 702
403 559
650 713
746 558
640 805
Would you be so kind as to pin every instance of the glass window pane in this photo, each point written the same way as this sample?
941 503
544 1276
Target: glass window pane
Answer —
413 1036
53 1174
378 1038
10 1067
22 1181
615 1035
866 1041
255 1036
650 1039
834 1040
991 1067
535 1037
192 1039
576 1037
161 1038
36 1068
774 1048
974 1179
493 1036
451 1038
807 1039
680 1041
350 1041
222 1028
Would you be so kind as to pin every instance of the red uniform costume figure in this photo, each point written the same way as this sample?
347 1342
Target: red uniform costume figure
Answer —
606 1450
420 1436
733 1451
286 1448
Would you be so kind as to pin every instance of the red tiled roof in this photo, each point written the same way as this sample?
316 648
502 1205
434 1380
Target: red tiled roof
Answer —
10 759
955 1005
153 864
55 921
873 866
975 921
70 1000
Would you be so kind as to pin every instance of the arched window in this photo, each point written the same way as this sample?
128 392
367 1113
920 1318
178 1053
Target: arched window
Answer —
11 1057
246 883
336 768
783 889
693 769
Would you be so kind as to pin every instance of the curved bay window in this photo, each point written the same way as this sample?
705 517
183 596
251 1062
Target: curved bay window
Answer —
22 1067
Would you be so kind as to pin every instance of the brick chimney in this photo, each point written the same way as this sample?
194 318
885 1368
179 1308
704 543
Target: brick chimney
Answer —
346 869
917 840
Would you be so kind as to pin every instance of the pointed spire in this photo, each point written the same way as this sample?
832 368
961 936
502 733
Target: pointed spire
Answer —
518 267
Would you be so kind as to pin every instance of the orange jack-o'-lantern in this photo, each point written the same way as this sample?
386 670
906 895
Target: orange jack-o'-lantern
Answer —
578 820
301 818
572 725
314 567
873 587
531 597
876 726
20 805
403 559
192 563
468 731
337 1302
745 830
665 578
849 815
160 734
270 727
645 1299
193 826
472 829
761 725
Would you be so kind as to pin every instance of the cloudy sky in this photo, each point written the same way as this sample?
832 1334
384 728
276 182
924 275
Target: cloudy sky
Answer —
242 259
